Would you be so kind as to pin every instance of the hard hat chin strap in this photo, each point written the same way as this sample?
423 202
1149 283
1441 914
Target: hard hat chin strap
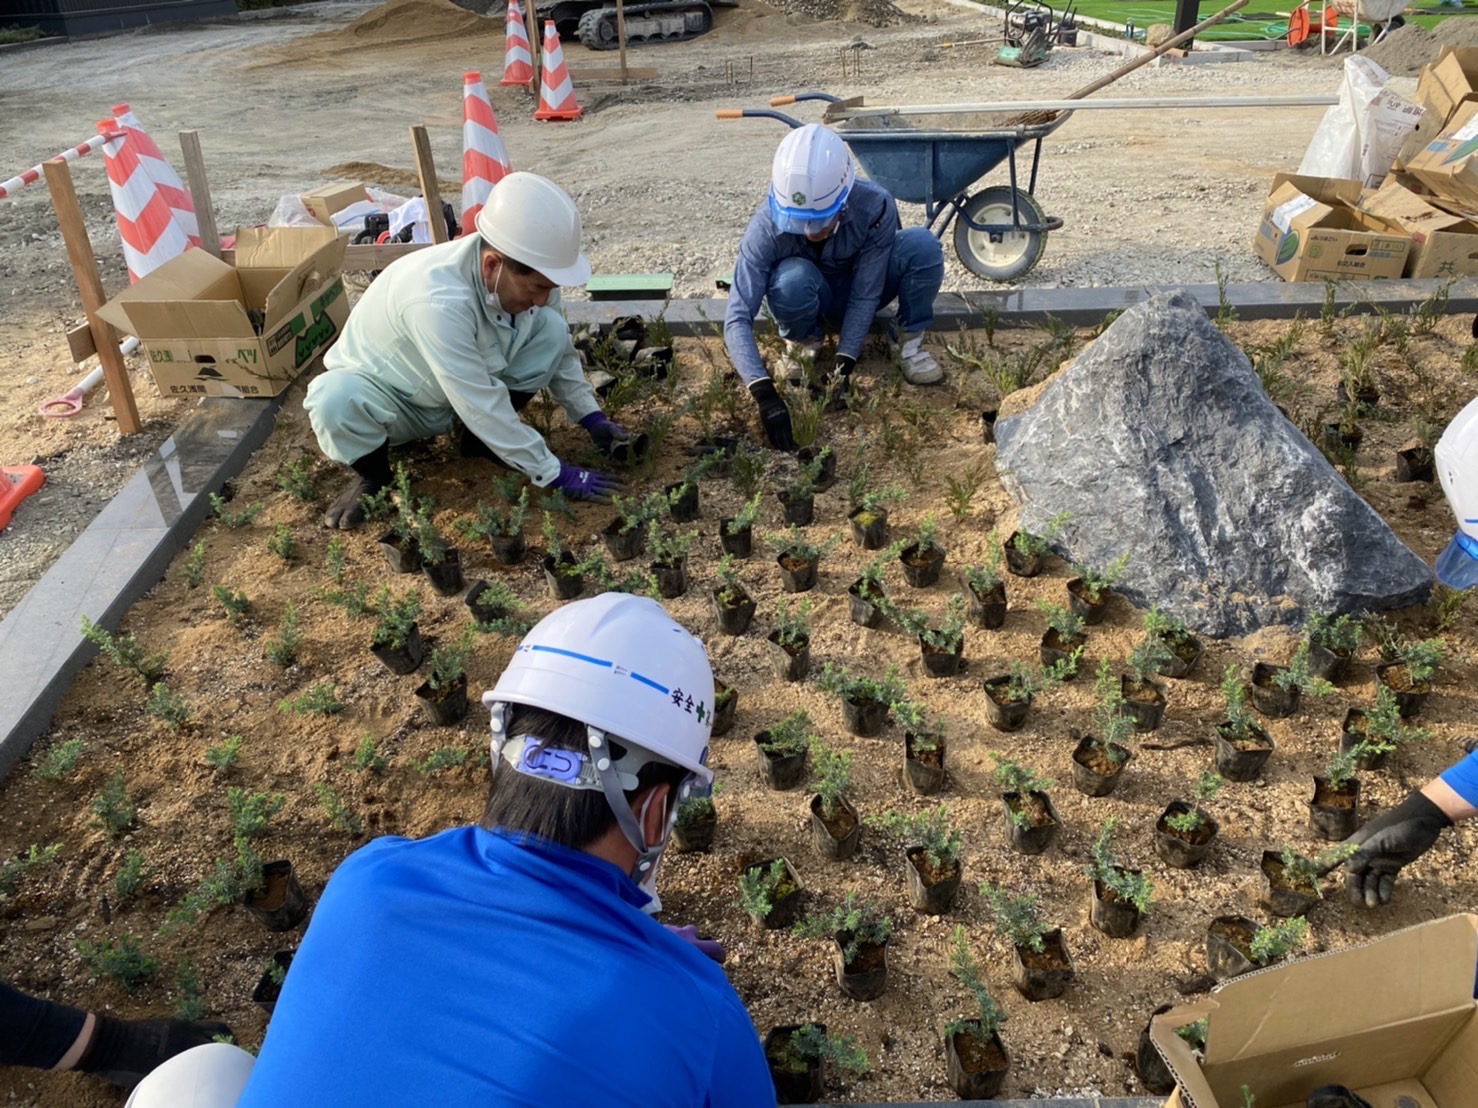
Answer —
631 827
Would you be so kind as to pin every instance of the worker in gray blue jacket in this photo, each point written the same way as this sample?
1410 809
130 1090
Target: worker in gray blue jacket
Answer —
825 248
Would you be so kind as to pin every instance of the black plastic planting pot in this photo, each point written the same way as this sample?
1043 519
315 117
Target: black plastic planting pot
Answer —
1089 772
1022 565
1334 811
833 847
563 584
795 575
1184 654
869 527
867 977
986 611
923 770
1143 703
1004 715
508 550
684 506
780 771
280 904
975 1065
1228 940
740 543
1184 850
921 567
623 545
862 608
724 708
1409 699
403 659
1115 918
1241 759
1270 699
403 555
696 836
791 663
784 910
864 718
791 1086
1331 665
828 475
942 663
444 707
734 610
1046 975
799 510
671 578
1031 839
933 898
265 995
1279 896
1084 604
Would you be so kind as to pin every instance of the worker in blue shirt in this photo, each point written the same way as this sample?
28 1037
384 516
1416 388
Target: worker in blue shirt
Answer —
514 963
825 248
1401 836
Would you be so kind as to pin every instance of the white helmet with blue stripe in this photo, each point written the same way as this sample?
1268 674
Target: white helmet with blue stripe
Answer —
1456 459
623 667
809 181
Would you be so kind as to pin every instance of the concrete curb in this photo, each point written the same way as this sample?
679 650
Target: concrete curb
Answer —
126 549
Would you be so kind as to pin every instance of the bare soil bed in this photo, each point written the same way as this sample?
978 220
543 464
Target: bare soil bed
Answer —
913 437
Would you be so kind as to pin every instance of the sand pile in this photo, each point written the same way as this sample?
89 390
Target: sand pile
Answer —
1405 50
399 22
875 13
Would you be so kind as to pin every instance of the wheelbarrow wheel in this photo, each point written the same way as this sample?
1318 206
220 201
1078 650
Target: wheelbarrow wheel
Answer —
1017 251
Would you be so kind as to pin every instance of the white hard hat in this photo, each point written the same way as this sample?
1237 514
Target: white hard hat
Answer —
532 220
1456 459
809 181
619 663
212 1075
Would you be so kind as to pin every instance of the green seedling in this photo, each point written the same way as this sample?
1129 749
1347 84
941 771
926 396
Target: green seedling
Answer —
59 761
1013 777
223 758
696 809
932 831
854 924
334 560
668 548
282 543
1018 918
167 706
1240 723
490 522
1032 545
1421 659
250 813
926 733
1113 727
126 652
1295 675
319 700
130 876
355 600
808 1046
1446 606
795 623
1104 868
442 758
1188 822
867 504
989 1016
888 689
761 886
1273 944
796 547
963 490
833 775
340 816
948 637
1098 582
283 650
984 578
12 870
235 602
1341 635
297 479
193 567
232 519
745 518
449 663
191 1004
1068 625
124 961
1308 873
367 757
112 808
792 735
396 618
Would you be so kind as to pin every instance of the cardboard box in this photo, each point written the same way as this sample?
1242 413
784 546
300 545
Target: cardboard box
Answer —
1394 1020
326 201
1312 228
1447 165
191 313
1450 81
1443 245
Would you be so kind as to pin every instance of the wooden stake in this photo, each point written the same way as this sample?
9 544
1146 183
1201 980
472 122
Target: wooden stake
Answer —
430 189
205 212
621 37
536 48
90 287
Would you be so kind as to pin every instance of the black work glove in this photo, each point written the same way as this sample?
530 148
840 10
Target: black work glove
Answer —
1387 843
1335 1096
774 415
839 385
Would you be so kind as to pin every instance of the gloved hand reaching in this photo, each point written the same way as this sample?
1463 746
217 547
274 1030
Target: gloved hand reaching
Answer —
839 385
711 947
774 415
1387 843
579 483
604 432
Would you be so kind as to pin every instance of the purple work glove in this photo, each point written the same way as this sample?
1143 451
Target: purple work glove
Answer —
579 483
605 432
689 934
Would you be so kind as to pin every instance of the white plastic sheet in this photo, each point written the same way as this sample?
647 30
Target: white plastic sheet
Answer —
1360 136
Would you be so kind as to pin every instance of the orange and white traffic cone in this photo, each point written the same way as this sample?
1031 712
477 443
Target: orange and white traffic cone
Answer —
160 171
556 90
518 56
151 234
484 158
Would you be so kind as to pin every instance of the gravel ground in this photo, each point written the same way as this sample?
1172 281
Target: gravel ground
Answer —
1148 196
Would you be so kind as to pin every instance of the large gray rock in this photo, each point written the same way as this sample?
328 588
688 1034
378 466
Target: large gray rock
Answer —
1159 441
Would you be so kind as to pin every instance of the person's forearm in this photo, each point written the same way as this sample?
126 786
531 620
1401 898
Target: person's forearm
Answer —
1452 803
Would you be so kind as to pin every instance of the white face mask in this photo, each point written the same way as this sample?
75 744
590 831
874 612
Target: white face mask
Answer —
493 301
648 883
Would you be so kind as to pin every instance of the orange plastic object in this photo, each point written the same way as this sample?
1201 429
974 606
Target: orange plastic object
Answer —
19 482
1298 26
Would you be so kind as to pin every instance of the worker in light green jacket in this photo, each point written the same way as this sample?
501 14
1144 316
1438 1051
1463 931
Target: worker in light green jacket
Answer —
470 329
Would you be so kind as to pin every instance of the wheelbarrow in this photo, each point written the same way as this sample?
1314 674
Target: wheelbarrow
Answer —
1000 231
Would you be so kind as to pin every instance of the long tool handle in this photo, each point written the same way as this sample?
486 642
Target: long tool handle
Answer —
1144 59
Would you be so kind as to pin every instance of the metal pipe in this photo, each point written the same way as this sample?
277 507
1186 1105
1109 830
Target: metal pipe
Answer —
1103 104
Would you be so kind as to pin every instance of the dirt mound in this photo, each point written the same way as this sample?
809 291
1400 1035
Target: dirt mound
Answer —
875 13
1405 50
398 22
404 181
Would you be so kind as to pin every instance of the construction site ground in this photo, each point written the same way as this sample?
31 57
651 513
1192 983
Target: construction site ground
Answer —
318 93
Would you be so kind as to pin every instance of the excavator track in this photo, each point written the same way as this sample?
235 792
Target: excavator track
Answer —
669 22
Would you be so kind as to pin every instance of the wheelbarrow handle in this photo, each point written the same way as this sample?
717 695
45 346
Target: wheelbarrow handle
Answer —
757 113
781 101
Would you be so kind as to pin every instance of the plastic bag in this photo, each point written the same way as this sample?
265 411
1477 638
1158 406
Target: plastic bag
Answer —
411 214
1360 136
291 212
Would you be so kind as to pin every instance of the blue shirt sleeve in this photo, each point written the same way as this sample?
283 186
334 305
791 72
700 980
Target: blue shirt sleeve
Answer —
741 1076
870 272
1463 778
751 278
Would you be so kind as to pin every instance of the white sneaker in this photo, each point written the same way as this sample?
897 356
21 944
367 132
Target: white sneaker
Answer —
797 359
918 365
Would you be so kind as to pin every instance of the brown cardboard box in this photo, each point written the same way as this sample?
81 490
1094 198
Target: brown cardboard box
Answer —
1312 228
1442 244
326 201
1448 82
1394 1020
1447 165
191 313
